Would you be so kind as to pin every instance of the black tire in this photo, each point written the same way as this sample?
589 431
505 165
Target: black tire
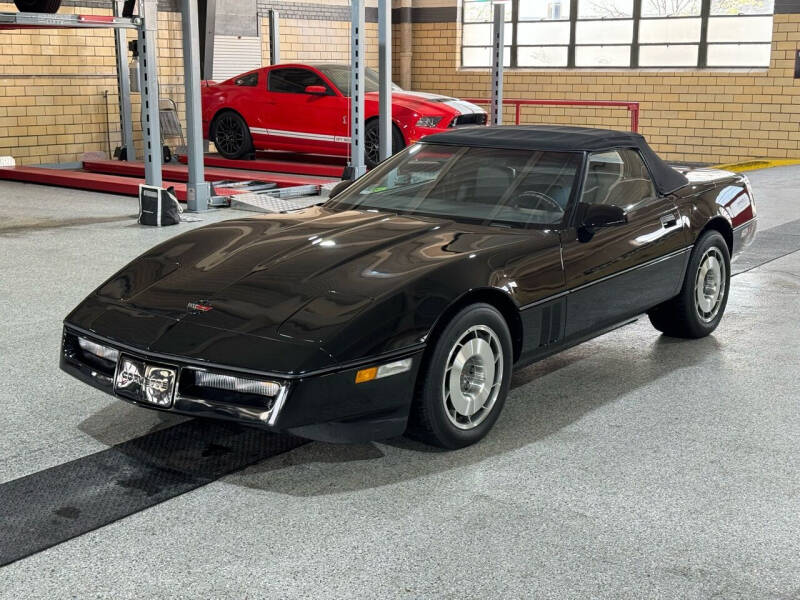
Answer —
684 315
231 135
432 412
371 143
39 6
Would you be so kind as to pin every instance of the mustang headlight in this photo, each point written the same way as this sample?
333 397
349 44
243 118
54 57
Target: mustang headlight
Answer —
428 121
236 384
98 350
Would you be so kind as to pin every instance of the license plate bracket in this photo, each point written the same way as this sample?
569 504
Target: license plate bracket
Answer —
144 382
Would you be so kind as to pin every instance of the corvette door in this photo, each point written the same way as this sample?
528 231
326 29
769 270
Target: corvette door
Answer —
302 121
618 271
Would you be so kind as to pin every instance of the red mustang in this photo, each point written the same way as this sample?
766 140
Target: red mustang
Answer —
306 108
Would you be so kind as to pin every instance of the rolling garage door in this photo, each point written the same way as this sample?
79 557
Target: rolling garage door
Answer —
234 54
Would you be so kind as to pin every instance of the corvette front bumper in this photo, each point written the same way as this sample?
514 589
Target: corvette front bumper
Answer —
326 406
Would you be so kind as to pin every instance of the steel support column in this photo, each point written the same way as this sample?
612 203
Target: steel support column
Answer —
198 191
274 38
148 86
385 77
357 57
498 51
123 87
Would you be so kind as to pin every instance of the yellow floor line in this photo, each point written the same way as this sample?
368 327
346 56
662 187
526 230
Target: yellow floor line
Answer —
752 165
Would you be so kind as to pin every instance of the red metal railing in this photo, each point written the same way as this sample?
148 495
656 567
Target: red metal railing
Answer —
633 107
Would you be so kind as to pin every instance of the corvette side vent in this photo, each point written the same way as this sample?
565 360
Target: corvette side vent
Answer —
551 324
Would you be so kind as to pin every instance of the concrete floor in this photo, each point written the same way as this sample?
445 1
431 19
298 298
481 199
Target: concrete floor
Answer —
632 466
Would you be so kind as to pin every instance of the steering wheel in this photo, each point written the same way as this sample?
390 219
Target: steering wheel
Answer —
539 199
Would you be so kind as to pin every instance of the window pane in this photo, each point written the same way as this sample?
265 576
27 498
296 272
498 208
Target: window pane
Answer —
618 178
604 32
740 29
668 56
543 9
603 56
544 56
605 9
738 55
482 57
477 35
742 7
543 33
478 12
669 30
674 8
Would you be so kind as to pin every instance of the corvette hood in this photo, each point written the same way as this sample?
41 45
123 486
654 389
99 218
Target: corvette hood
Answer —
422 101
256 273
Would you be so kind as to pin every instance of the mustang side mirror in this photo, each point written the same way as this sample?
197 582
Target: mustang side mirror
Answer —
340 187
318 90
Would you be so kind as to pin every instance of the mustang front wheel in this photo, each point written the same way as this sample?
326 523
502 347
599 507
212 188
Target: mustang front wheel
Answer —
698 309
232 135
372 154
464 382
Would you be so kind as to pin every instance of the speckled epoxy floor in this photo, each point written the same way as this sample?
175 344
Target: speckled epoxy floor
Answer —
632 466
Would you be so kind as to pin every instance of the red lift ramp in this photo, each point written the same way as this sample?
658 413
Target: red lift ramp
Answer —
318 166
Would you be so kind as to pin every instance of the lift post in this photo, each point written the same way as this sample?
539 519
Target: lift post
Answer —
148 86
274 38
498 52
123 87
357 32
385 78
198 191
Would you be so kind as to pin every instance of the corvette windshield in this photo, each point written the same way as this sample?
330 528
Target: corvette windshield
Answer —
485 185
340 77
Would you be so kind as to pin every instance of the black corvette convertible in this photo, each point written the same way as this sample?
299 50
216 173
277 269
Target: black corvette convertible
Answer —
405 301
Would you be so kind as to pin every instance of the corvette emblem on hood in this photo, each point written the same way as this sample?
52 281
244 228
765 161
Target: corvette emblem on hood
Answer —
199 306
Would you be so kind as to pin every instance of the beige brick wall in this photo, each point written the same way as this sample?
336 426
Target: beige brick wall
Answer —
52 86
53 109
710 116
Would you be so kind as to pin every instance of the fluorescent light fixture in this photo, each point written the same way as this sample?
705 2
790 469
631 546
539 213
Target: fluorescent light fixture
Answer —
98 350
236 384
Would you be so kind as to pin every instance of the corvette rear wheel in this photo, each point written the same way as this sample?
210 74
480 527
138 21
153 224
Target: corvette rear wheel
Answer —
463 384
232 135
372 154
698 309
40 6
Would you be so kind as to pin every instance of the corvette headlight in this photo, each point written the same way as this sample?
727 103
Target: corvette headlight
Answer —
98 350
236 384
428 121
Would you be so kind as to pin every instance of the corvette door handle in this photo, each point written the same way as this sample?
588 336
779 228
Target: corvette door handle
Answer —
669 220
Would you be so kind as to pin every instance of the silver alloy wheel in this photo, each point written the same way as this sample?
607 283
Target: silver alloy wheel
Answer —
473 377
709 286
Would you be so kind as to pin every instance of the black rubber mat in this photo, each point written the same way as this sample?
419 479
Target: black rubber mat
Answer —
769 245
52 506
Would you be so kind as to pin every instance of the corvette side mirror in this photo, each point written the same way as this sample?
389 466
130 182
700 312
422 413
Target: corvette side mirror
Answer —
317 90
602 215
340 187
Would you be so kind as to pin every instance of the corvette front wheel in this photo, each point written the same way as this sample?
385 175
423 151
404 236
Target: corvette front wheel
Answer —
464 382
231 135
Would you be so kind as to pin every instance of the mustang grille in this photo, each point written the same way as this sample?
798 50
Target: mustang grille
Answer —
472 119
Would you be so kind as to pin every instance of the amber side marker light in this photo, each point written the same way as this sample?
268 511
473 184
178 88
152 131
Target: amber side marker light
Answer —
392 368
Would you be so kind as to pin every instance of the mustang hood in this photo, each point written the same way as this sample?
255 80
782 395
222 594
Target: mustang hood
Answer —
255 274
420 101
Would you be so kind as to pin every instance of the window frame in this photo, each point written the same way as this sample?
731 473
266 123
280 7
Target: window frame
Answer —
705 15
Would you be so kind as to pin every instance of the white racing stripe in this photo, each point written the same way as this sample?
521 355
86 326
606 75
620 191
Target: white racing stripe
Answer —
302 135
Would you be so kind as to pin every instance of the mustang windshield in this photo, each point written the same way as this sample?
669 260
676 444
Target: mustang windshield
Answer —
486 185
340 76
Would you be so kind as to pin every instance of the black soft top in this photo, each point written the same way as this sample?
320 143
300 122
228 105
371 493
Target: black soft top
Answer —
560 138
